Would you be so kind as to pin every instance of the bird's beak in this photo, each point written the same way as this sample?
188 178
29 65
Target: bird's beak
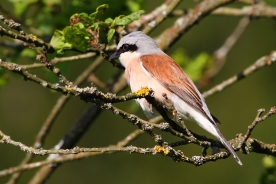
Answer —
115 55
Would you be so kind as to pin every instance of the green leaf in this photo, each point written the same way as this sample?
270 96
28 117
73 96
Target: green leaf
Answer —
103 25
57 41
124 20
110 34
77 36
95 26
85 31
108 20
101 9
71 37
67 46
83 18
93 16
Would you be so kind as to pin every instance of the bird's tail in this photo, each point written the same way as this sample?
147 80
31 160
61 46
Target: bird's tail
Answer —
228 147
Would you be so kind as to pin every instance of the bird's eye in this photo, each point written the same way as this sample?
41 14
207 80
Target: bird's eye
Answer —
128 47
125 47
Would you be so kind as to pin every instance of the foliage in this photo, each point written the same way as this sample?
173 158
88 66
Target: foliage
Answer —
195 67
86 31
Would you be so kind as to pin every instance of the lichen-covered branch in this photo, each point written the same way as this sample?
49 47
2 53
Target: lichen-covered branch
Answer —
89 94
251 145
260 63
65 158
105 101
163 11
185 22
154 18
28 38
259 118
261 10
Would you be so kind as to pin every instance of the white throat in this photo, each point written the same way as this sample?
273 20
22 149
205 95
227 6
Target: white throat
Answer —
127 57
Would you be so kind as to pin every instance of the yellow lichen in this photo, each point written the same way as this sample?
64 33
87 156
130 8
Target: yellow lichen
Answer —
34 38
159 149
144 91
106 96
69 89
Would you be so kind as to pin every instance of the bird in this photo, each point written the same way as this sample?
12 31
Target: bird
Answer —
146 65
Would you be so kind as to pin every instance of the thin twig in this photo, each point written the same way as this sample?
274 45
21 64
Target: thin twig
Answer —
261 10
93 151
76 133
260 63
257 146
43 58
60 103
252 145
165 149
88 94
154 18
221 53
29 38
163 11
13 25
60 60
169 36
121 143
259 118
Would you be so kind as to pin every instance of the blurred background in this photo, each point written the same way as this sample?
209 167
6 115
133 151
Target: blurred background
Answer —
25 105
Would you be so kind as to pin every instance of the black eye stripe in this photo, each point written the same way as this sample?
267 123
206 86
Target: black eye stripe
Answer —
127 47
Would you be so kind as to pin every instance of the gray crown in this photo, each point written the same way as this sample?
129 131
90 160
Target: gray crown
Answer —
146 45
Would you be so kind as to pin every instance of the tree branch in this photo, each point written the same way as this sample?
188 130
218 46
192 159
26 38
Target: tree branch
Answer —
260 63
88 94
261 10
60 60
28 38
184 23
154 18
251 145
60 103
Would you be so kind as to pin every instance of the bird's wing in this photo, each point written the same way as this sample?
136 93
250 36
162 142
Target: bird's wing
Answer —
166 71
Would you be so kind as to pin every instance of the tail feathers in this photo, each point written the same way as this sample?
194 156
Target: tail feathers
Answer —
229 148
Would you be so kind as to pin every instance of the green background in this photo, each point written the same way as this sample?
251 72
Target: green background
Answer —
25 105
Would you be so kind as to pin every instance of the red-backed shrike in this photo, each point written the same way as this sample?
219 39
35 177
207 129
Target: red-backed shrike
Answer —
146 65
